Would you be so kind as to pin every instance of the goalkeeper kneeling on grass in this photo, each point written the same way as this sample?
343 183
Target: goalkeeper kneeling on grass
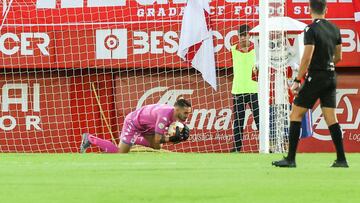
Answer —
149 126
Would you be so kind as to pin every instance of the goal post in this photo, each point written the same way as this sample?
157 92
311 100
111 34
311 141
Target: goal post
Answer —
264 89
279 41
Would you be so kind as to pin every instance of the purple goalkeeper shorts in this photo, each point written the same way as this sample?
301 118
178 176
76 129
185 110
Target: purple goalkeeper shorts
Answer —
131 135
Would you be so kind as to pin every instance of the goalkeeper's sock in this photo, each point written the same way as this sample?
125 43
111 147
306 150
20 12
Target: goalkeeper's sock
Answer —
105 145
294 134
336 135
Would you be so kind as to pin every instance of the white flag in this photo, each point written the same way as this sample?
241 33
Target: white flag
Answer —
196 41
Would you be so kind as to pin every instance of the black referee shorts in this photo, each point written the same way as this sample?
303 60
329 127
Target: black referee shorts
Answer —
318 85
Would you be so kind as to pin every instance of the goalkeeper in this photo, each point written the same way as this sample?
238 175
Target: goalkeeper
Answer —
146 126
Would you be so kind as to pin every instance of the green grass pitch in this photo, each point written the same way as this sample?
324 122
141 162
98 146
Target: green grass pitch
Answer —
171 177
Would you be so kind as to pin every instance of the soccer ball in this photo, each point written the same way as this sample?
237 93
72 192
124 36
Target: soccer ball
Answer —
172 127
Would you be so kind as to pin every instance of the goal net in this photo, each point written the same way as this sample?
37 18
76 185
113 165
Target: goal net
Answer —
76 66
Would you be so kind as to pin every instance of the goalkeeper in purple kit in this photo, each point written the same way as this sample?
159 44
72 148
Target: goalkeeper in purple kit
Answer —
146 126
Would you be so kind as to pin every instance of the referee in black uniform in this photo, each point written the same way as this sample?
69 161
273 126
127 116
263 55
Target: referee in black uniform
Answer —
322 41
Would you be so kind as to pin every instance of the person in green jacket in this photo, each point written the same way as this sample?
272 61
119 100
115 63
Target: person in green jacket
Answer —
244 88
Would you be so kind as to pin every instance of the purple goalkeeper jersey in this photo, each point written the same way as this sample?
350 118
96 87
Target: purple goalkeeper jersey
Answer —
154 118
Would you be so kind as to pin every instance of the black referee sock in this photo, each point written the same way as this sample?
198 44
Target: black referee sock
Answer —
336 135
294 134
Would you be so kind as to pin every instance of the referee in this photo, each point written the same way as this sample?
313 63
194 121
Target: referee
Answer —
322 42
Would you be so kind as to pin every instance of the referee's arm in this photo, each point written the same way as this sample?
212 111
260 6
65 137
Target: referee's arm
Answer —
309 43
338 48
305 61
338 54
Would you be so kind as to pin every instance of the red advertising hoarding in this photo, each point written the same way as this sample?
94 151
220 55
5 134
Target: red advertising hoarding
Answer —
211 120
348 114
136 34
49 113
66 34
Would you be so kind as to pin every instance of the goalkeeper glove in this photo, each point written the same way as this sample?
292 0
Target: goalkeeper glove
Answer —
180 136
185 133
177 137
